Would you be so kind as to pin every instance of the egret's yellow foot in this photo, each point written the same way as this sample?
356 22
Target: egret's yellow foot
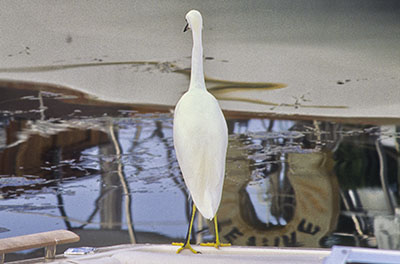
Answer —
215 244
185 246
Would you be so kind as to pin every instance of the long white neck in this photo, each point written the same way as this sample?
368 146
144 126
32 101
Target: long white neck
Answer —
197 74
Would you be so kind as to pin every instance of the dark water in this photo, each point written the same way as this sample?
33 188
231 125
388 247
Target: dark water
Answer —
109 173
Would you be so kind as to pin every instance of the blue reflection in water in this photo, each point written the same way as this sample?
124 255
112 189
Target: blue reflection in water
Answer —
115 179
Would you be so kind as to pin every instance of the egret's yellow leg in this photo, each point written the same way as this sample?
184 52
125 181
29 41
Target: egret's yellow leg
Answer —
187 245
217 243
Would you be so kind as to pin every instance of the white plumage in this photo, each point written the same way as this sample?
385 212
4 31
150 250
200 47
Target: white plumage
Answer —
200 133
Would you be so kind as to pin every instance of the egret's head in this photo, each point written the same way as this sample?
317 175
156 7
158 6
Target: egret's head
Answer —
194 20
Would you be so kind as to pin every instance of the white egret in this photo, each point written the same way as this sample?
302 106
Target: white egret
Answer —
200 139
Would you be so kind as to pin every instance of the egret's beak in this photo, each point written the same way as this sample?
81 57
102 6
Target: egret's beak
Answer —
186 27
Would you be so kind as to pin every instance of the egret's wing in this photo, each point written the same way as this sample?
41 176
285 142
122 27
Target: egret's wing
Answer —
200 140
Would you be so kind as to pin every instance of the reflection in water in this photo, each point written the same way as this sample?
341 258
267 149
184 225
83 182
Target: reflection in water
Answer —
114 178
284 193
125 188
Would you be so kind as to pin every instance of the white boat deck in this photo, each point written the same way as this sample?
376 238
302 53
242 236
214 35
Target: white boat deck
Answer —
152 253
144 254
149 253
